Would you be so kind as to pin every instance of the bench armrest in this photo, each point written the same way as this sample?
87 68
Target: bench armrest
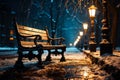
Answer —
58 41
31 37
34 38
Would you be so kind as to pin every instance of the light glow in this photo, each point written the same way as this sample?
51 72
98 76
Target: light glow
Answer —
92 11
85 26
81 33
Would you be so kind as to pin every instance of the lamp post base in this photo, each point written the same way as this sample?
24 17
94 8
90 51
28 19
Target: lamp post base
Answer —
92 47
106 48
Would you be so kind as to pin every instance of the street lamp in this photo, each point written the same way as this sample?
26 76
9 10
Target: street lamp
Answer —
105 44
85 27
92 43
92 11
81 42
77 40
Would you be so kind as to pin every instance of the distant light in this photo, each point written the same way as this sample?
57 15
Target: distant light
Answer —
75 43
11 35
79 37
77 40
11 38
70 44
11 32
85 26
81 33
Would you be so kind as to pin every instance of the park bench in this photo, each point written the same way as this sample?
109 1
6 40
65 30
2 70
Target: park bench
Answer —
32 39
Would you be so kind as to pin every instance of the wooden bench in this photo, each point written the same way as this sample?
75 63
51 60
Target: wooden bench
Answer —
32 39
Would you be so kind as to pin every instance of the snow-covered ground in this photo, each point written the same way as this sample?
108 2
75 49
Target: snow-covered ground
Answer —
72 50
76 67
76 63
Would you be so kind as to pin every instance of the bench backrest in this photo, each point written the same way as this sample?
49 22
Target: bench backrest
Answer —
28 31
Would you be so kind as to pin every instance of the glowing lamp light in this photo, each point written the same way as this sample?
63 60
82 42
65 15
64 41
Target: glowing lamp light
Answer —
75 43
79 37
85 26
92 11
70 44
77 40
11 32
11 38
81 33
11 35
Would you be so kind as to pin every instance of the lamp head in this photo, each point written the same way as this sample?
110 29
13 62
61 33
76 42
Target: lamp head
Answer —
92 11
85 26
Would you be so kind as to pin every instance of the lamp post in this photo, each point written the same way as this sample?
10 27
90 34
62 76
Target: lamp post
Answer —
85 27
92 43
105 44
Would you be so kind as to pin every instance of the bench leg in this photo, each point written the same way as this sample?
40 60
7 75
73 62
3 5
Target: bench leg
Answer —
48 58
63 57
39 64
40 52
19 63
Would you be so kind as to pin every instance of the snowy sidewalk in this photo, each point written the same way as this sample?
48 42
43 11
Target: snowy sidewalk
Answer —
109 63
76 66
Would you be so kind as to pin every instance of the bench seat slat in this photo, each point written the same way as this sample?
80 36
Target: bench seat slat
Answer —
44 44
31 32
32 43
43 37
31 29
